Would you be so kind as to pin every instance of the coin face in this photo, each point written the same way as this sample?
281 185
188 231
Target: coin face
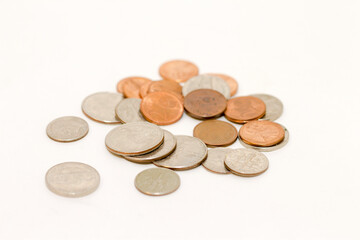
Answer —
229 80
207 82
178 70
67 129
190 152
274 107
128 110
246 162
165 86
72 179
134 138
215 160
100 106
157 181
215 133
205 103
131 86
244 109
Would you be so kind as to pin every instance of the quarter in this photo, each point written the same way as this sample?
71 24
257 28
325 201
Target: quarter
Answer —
67 129
274 107
207 82
229 80
128 110
215 160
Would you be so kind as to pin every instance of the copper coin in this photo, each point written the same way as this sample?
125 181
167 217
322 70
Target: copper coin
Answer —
244 109
262 133
131 86
178 70
161 108
215 133
229 80
144 89
119 86
205 103
165 86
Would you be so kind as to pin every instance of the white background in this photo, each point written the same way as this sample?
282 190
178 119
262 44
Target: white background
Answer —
55 53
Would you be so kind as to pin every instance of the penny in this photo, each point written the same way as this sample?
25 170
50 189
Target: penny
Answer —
161 108
215 133
262 133
246 162
205 103
190 152
128 110
131 86
207 82
72 179
157 181
67 129
244 109
100 106
274 106
229 80
178 70
165 86
134 138
120 85
144 89
215 160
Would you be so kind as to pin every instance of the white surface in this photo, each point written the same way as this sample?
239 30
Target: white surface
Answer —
54 54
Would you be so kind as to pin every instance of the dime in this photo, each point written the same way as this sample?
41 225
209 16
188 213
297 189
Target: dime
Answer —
246 162
215 160
190 152
157 181
244 109
67 129
229 80
144 89
134 138
165 86
72 179
215 133
274 106
131 86
178 70
128 110
100 106
207 82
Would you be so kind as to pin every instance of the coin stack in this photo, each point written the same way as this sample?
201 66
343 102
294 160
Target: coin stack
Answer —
141 105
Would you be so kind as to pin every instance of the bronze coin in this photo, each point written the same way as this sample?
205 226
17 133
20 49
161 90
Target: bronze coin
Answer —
205 103
244 109
120 85
262 133
165 86
215 133
131 86
178 70
144 89
229 80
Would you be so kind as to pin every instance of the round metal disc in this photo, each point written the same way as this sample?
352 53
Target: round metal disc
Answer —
128 110
67 129
215 160
274 107
207 82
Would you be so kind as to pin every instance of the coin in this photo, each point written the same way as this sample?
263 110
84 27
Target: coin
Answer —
131 86
207 82
190 152
215 133
67 129
246 162
119 86
215 160
134 138
244 109
274 106
229 80
157 181
165 86
205 103
128 110
178 70
144 89
72 179
100 106
161 108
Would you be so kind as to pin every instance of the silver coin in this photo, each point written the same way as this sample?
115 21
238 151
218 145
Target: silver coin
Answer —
101 106
67 129
190 152
207 82
274 107
157 181
134 138
246 162
128 110
215 160
72 179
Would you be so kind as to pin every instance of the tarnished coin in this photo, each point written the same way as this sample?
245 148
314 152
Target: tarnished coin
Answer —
215 160
230 81
190 152
100 106
134 138
246 162
131 86
67 129
244 109
128 110
274 106
72 179
178 70
207 82
165 86
157 181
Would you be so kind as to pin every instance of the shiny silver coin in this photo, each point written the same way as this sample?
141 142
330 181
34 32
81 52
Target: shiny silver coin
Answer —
67 129
100 107
274 107
72 179
190 152
134 138
215 160
128 110
207 82
157 181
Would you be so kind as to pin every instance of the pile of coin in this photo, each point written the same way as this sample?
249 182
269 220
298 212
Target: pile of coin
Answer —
141 105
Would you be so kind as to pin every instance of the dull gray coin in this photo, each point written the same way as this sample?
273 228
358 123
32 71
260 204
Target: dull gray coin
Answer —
134 138
207 82
215 160
100 107
128 110
274 107
72 179
190 152
67 129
